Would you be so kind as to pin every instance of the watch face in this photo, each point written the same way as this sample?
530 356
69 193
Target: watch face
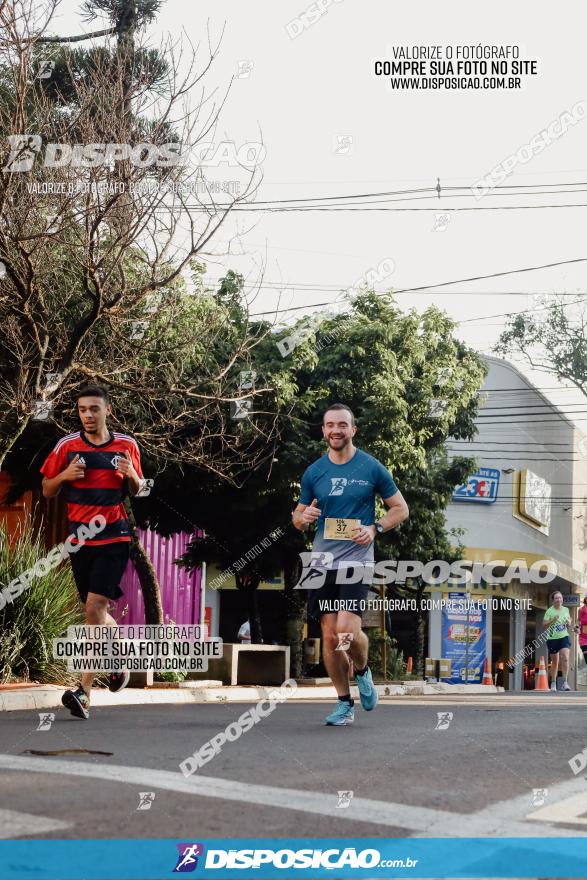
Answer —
379 529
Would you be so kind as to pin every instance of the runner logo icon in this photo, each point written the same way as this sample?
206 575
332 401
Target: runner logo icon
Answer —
338 484
314 568
187 859
344 800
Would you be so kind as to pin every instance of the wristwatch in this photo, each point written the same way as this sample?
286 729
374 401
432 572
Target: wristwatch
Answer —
379 528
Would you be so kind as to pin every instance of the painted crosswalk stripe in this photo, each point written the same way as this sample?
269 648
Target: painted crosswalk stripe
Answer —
506 818
13 824
571 810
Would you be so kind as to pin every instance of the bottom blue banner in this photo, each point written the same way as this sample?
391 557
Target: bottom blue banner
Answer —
289 857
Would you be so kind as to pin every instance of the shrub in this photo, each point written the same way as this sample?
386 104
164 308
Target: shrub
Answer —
40 614
396 666
171 676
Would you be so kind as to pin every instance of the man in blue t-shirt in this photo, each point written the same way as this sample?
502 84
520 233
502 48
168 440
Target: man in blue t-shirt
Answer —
338 496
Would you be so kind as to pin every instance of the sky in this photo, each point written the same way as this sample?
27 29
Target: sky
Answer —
331 128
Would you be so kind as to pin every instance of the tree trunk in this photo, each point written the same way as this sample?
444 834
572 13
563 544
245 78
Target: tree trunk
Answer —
294 621
146 573
10 430
126 26
148 581
420 644
420 635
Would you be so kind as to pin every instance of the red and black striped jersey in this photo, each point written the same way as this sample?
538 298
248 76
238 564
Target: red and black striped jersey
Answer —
101 490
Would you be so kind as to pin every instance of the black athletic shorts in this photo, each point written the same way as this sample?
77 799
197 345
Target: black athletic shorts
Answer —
554 645
99 569
331 598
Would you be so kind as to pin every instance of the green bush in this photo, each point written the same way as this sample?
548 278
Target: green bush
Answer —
171 676
396 666
40 614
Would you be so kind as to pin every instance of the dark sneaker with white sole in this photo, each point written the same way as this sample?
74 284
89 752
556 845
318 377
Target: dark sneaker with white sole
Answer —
77 702
117 681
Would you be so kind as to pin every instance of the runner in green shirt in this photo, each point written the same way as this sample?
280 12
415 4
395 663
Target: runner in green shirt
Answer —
557 621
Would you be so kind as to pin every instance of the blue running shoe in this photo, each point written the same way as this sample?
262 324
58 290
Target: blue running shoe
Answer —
367 690
343 713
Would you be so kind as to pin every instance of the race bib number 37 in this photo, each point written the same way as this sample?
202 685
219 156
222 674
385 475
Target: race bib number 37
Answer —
340 529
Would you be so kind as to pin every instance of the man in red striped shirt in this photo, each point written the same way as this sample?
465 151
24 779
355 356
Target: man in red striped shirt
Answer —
96 466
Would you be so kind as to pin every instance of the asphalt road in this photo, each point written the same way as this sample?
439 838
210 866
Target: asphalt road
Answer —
475 777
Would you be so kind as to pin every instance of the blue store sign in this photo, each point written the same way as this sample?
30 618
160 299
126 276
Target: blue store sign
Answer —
481 487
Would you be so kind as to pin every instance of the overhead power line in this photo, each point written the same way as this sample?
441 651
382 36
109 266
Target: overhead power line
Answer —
282 287
525 390
508 442
483 450
334 209
463 190
547 405
435 286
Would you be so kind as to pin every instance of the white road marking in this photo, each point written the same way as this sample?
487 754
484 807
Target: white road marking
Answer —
496 818
570 810
13 824
360 809
505 819
499 701
520 808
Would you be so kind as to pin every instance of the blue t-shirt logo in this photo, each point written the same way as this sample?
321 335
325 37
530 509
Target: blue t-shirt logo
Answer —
338 484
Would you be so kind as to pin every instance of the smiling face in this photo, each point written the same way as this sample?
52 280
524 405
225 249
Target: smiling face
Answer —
93 412
338 429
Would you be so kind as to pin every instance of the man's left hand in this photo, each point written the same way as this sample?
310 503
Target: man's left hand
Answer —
125 465
364 535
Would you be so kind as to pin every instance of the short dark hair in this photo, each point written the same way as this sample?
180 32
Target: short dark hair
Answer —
93 391
340 406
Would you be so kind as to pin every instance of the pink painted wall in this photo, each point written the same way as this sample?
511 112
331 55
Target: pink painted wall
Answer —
180 590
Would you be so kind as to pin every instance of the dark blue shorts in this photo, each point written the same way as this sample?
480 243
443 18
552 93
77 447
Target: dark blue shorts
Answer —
330 598
554 645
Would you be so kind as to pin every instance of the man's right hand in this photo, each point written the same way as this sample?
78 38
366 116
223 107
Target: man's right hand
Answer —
311 513
74 471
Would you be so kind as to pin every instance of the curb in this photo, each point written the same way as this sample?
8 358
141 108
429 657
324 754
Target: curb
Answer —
49 696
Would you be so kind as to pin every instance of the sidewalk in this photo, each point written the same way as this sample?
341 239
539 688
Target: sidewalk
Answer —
49 696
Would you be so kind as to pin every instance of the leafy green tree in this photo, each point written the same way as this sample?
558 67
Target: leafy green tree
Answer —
552 338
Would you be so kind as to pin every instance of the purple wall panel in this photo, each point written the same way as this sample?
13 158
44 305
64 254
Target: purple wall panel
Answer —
180 590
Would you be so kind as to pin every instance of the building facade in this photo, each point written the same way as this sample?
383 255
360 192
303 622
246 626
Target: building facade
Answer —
526 505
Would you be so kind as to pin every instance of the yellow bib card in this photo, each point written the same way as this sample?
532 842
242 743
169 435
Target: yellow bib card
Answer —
340 529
